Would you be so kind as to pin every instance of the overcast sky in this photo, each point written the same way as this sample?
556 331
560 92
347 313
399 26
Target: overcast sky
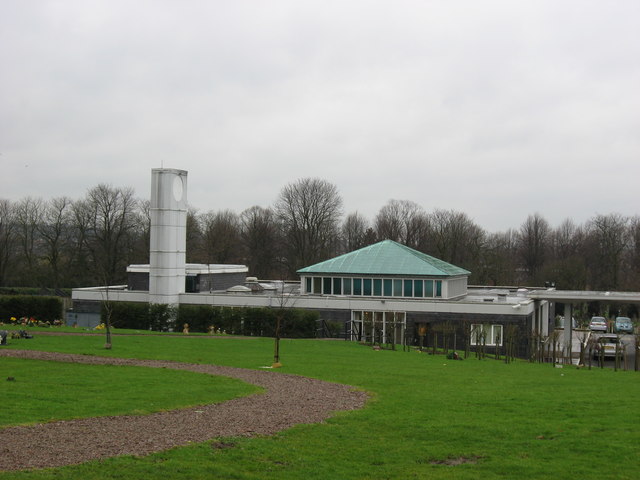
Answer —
499 109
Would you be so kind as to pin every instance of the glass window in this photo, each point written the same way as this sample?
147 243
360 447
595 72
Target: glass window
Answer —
346 286
366 290
337 286
482 333
326 285
417 288
357 286
428 291
496 334
397 288
408 288
308 285
377 287
438 288
317 285
388 287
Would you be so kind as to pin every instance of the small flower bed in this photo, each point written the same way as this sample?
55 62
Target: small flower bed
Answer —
33 322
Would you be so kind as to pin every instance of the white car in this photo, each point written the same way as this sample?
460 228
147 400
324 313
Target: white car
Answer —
598 324
607 344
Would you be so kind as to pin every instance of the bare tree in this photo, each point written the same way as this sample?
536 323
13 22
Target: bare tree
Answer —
106 217
354 232
7 238
498 266
566 264
195 252
533 241
28 217
141 233
310 211
109 213
221 237
261 240
80 260
55 230
403 221
631 264
606 242
456 238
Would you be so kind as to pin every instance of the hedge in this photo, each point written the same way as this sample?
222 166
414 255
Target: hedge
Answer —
58 292
246 321
45 309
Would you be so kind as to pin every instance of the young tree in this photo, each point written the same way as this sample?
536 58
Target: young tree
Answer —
309 210
108 216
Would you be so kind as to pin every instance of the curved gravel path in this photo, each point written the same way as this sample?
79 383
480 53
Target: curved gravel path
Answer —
288 400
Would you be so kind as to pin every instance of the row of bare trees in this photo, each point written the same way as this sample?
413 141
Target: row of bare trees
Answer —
64 243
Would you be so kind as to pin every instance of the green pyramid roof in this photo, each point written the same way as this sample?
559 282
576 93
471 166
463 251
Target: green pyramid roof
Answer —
386 258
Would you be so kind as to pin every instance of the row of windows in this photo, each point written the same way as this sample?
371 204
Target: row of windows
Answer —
374 287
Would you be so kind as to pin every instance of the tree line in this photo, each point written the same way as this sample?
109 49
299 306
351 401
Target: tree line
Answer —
62 242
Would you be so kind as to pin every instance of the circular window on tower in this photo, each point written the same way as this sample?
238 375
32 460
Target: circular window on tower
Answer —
177 189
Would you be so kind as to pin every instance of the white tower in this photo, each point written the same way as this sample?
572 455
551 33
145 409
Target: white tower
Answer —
168 235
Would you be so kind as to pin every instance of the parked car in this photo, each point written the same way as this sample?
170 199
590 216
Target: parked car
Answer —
598 324
623 325
607 345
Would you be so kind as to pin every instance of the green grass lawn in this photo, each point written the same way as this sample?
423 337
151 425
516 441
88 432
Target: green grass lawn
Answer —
35 330
516 421
44 391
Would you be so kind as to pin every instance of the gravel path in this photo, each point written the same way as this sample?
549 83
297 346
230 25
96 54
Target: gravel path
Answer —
288 400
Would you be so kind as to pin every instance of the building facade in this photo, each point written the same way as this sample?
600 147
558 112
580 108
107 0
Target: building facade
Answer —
385 292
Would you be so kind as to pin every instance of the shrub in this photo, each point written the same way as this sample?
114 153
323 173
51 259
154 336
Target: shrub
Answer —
128 315
248 321
259 322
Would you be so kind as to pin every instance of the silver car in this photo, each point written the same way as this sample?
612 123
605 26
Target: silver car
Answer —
598 324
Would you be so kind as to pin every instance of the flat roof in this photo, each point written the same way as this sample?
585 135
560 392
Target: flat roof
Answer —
196 268
584 296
